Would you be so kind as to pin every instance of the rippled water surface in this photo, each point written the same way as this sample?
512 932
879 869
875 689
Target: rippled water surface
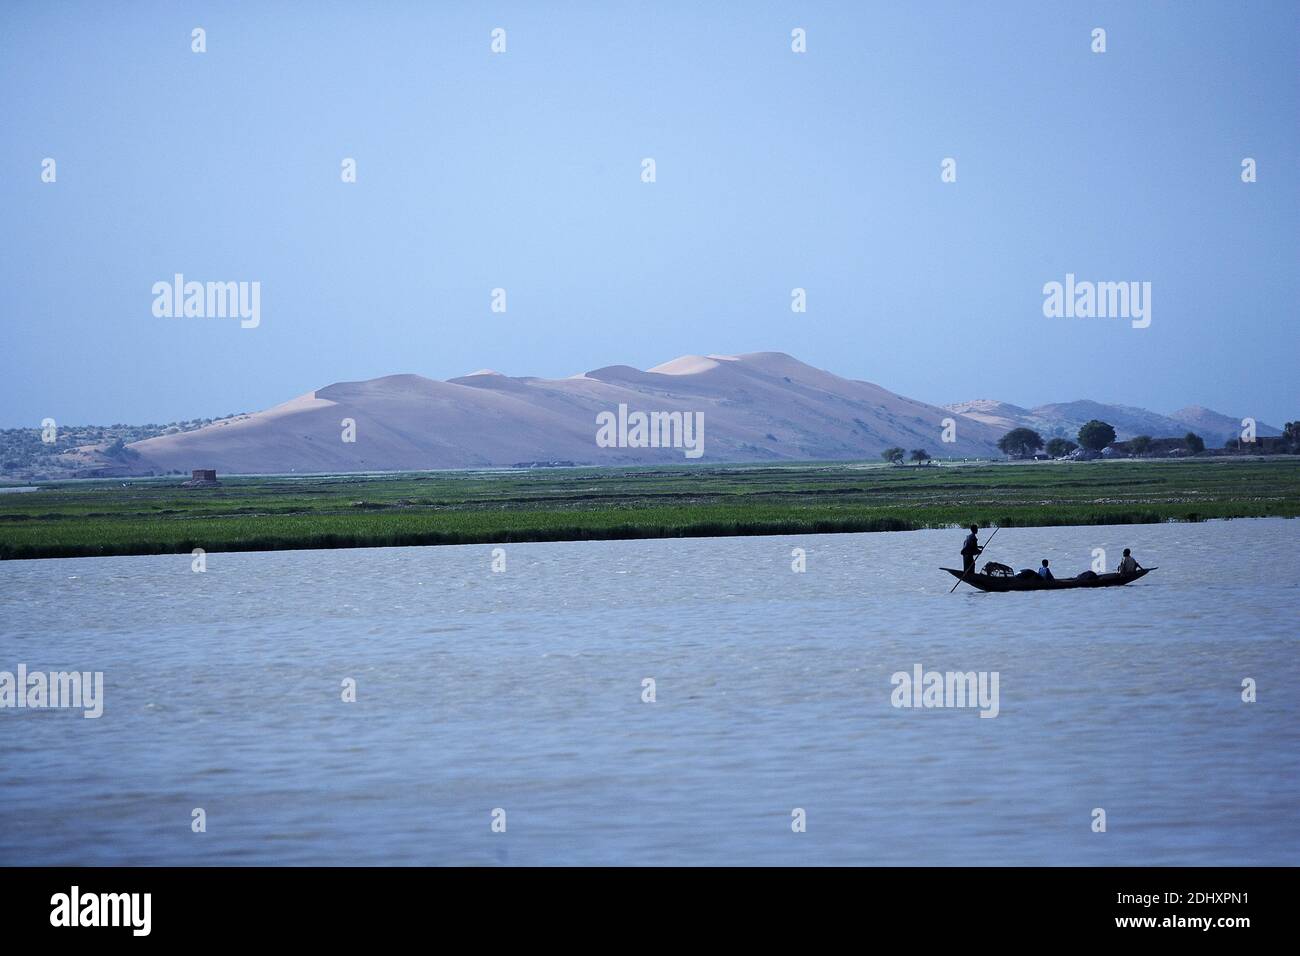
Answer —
522 690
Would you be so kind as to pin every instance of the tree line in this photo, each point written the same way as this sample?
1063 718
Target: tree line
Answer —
1096 435
895 456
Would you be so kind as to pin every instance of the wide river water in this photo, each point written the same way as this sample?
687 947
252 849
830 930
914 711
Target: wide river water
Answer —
522 691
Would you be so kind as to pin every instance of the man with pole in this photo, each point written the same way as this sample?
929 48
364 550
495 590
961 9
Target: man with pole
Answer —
969 550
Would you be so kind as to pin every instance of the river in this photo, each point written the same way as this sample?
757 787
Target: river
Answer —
773 736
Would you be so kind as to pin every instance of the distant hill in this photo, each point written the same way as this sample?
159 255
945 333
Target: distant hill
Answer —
761 406
998 415
26 455
1127 419
1205 421
1064 418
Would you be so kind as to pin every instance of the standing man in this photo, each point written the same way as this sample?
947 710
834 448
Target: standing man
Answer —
970 549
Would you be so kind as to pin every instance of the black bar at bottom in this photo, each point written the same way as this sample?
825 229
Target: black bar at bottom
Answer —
334 905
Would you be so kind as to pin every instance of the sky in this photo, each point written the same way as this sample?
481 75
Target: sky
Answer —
522 170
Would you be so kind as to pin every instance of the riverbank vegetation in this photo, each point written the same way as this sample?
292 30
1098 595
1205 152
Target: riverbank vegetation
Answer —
156 516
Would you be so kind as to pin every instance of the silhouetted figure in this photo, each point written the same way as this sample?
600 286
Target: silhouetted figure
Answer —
1128 564
1045 572
970 550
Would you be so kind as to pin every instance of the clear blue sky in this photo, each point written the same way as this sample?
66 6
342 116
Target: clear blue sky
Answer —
522 170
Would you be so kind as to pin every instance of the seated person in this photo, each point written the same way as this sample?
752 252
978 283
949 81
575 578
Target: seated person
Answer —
1045 572
1128 564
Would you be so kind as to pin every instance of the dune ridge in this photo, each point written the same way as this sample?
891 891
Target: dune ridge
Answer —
759 406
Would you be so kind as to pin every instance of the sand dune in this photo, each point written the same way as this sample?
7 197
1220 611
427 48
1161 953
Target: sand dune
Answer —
763 406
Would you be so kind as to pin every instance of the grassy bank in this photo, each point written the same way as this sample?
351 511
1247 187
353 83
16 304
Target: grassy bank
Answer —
253 514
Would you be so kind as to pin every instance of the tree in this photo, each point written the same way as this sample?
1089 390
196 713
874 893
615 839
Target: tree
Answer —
1096 435
120 452
1060 447
1020 442
1195 444
893 455
1291 432
920 456
1140 444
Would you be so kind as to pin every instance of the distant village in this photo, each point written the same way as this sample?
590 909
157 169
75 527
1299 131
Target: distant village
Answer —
1097 439
57 452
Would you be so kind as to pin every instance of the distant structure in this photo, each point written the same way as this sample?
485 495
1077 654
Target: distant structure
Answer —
202 478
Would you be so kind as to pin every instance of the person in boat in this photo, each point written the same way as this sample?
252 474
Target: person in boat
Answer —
1045 572
970 549
1128 564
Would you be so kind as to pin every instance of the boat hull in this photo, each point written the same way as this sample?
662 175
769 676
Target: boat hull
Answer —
998 583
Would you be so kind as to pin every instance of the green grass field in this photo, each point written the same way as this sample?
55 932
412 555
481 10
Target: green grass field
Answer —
154 516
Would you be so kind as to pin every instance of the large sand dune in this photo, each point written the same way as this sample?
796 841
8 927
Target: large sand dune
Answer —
764 406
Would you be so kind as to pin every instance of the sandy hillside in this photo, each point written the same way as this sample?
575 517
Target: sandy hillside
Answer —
763 406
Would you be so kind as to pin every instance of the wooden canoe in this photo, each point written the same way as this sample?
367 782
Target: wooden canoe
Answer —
994 582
